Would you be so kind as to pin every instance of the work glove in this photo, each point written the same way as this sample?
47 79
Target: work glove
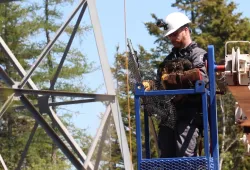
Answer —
185 79
190 77
148 85
169 81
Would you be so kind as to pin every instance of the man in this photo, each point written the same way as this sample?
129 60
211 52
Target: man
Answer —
182 140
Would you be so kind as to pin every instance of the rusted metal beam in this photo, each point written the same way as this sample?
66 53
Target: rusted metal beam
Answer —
242 96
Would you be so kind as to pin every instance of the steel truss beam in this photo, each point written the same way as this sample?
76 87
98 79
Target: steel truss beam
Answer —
43 95
48 48
50 132
3 163
109 85
19 92
4 1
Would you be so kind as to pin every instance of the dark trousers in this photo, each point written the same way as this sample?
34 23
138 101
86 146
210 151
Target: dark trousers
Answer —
180 142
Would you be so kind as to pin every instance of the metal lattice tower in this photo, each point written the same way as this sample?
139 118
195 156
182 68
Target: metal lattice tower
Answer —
81 160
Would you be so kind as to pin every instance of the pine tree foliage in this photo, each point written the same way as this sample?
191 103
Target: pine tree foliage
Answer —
163 44
120 74
215 22
147 70
76 64
232 151
23 26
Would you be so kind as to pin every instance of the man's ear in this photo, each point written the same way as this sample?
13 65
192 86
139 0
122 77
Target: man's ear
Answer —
187 29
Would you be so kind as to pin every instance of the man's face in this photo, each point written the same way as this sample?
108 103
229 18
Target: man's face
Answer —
177 38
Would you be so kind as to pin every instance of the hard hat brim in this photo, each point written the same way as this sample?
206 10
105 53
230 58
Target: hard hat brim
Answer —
170 32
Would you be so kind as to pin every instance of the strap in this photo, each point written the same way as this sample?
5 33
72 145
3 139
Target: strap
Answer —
183 53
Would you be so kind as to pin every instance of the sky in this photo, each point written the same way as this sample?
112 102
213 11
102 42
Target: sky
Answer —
111 16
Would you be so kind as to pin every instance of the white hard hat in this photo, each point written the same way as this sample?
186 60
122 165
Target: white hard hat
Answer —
174 21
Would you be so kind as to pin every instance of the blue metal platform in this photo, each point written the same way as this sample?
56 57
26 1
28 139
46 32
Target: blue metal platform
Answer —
211 159
192 163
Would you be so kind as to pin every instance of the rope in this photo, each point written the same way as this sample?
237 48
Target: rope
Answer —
127 83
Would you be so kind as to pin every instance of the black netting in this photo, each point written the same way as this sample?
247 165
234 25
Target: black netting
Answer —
159 106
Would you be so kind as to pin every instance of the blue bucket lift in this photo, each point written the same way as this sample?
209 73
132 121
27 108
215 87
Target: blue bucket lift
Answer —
211 159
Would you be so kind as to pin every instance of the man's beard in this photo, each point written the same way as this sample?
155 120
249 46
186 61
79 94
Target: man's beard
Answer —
177 44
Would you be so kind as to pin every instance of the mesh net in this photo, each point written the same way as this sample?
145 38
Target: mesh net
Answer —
160 106
191 163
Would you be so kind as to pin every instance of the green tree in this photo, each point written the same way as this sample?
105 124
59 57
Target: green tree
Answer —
126 102
14 19
77 64
41 17
215 22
